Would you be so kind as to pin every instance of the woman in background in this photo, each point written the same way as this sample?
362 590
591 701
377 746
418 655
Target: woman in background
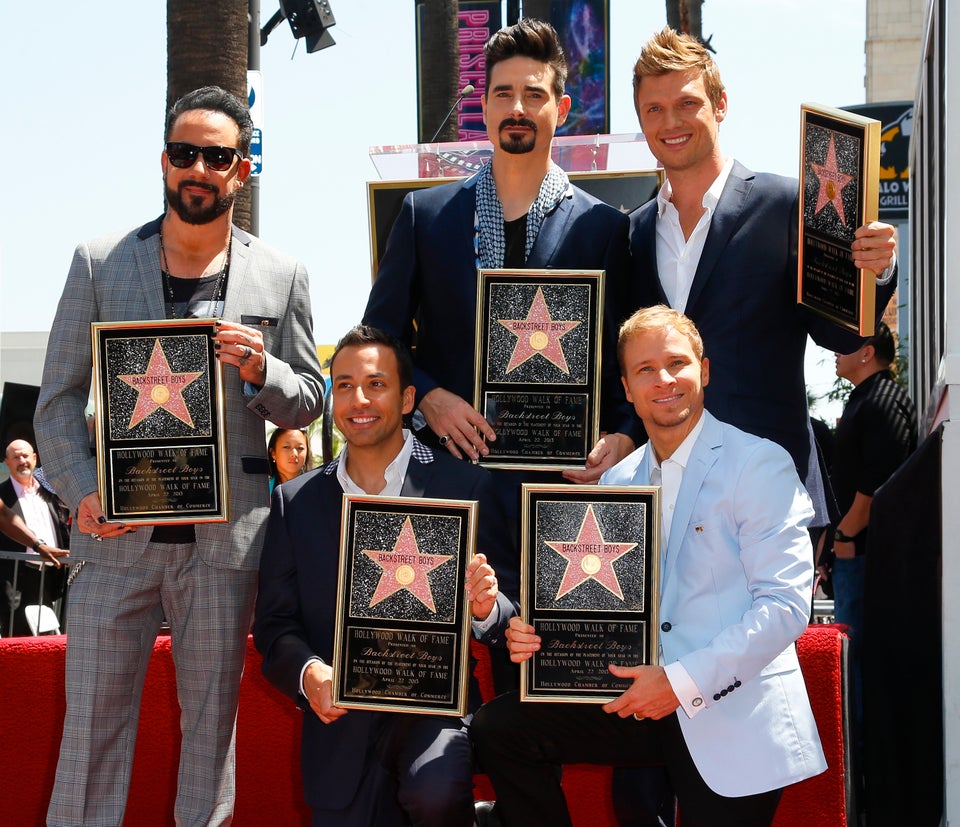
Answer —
289 454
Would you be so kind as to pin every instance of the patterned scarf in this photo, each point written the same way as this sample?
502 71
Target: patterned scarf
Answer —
488 237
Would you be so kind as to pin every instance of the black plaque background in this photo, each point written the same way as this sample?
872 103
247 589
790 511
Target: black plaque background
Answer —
589 627
544 419
161 470
386 656
829 283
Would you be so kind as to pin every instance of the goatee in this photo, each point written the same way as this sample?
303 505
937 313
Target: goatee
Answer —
193 209
517 144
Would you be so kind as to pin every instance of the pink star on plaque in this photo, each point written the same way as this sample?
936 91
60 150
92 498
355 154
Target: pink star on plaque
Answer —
405 567
538 333
159 387
832 182
590 557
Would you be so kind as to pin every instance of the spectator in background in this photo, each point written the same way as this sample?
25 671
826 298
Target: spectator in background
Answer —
877 432
289 454
48 519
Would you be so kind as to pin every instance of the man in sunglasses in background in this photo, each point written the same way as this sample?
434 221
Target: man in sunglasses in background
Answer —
191 262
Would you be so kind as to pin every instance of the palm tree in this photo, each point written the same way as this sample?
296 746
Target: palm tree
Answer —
439 68
684 16
207 44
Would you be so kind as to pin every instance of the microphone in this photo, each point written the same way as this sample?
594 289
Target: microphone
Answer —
466 92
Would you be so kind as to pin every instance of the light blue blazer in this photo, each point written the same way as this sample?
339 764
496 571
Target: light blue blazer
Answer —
735 590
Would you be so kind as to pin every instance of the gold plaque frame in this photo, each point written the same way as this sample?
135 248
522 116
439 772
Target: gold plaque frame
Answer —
160 424
839 192
538 367
402 640
590 587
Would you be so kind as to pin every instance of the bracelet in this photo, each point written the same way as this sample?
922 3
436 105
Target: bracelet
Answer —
37 544
840 537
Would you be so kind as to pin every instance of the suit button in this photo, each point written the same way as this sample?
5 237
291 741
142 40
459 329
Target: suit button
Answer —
730 688
665 626
717 696
737 683
723 693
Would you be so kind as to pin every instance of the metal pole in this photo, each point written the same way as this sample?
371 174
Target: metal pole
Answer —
253 64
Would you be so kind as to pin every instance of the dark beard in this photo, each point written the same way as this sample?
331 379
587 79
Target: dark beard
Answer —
519 145
192 210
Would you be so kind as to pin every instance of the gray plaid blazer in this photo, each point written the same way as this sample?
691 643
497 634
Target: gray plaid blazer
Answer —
117 278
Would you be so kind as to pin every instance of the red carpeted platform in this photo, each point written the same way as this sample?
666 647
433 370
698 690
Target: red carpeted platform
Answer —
268 743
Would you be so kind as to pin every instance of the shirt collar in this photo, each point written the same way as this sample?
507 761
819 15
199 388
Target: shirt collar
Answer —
34 488
394 474
682 455
710 198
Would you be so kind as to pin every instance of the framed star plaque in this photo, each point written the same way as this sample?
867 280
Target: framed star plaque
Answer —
160 435
839 192
589 585
402 639
537 372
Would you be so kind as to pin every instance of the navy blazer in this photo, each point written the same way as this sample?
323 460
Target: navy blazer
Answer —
296 604
744 303
428 275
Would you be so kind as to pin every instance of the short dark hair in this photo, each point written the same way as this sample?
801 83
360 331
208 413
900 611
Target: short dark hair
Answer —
884 347
529 38
215 99
364 334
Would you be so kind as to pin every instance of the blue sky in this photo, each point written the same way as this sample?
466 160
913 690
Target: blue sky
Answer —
84 103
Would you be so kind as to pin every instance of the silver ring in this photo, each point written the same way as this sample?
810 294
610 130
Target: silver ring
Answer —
96 537
638 717
444 439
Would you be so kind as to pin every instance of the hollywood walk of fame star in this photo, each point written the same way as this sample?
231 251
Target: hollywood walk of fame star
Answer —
590 557
405 567
538 333
160 387
832 182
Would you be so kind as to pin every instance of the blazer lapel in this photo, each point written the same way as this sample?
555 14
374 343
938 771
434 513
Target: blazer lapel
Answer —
415 482
147 255
701 460
552 232
643 239
725 220
239 270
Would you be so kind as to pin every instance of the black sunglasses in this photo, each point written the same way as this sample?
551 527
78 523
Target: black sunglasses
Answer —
217 158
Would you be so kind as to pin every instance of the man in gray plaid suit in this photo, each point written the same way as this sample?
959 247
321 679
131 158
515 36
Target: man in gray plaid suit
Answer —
190 262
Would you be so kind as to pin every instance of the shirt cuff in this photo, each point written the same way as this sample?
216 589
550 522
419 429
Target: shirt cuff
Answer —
691 699
481 627
314 659
886 275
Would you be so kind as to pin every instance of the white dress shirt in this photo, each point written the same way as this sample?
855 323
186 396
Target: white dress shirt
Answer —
35 511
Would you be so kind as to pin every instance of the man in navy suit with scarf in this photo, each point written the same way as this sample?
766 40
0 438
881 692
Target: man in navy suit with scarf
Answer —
519 211
359 767
719 244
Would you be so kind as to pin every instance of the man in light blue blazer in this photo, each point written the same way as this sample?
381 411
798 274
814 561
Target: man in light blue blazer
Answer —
725 709
191 262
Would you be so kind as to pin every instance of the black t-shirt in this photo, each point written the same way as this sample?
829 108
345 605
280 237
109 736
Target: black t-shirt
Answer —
192 299
515 243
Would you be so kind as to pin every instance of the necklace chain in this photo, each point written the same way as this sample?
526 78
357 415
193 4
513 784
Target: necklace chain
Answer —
217 289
